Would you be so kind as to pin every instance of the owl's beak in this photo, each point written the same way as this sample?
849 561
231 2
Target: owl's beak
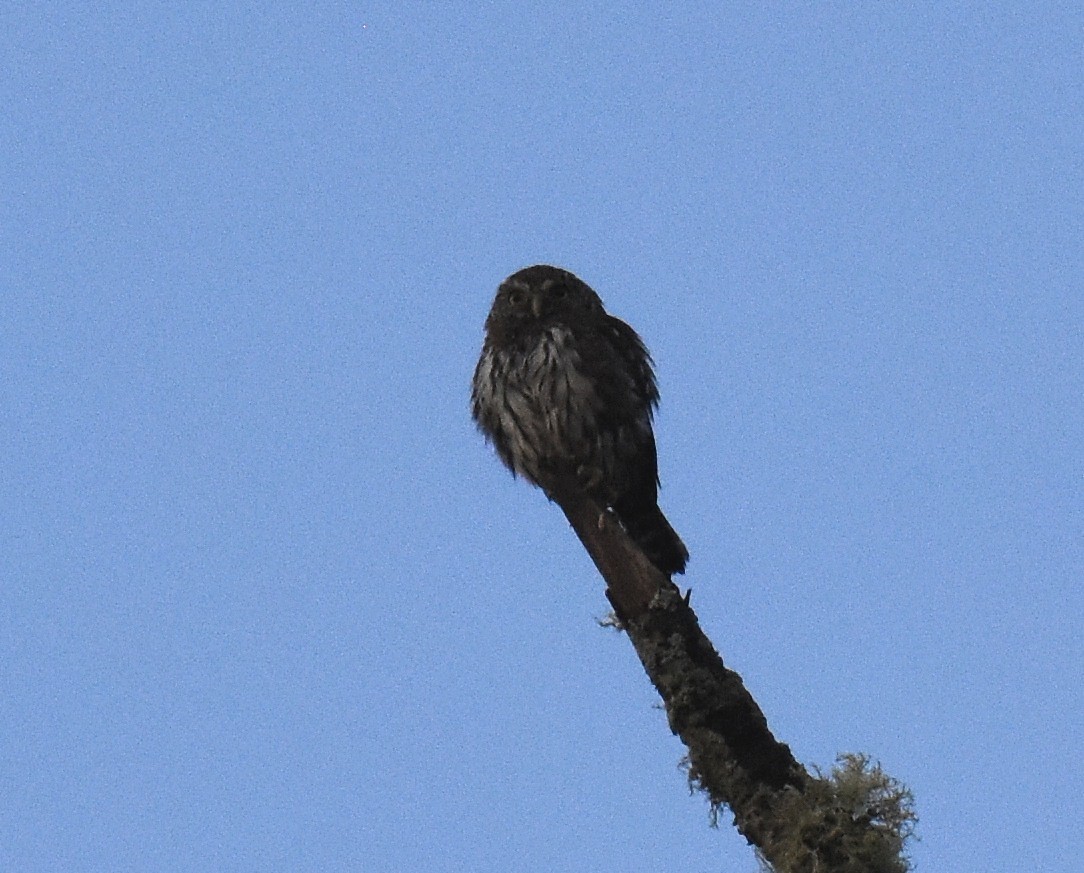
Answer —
536 305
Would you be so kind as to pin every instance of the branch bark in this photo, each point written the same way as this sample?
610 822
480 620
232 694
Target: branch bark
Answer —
797 822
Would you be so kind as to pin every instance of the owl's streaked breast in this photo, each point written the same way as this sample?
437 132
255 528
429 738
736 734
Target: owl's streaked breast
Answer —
543 406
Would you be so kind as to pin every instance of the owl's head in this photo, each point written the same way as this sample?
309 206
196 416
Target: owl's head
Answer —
541 295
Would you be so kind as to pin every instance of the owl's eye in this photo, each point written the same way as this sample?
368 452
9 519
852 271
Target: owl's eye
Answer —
559 291
517 297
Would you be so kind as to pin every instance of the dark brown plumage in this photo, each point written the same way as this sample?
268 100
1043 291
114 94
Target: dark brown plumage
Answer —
564 388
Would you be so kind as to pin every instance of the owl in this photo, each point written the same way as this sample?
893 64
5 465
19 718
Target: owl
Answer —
563 389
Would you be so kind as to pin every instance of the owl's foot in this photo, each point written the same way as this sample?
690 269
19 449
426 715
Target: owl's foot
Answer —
589 478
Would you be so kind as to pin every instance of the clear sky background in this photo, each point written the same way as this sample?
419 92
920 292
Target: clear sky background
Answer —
268 602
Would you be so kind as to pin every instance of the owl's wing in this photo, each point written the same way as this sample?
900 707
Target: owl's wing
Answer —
631 399
635 361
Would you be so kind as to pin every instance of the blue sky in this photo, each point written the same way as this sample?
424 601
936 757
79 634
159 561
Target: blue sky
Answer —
267 602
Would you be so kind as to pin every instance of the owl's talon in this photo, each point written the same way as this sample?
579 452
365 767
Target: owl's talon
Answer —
589 477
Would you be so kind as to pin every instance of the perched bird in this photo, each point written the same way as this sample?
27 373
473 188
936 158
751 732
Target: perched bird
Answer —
564 389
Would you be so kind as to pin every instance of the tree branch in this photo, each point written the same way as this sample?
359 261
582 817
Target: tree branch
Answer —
797 822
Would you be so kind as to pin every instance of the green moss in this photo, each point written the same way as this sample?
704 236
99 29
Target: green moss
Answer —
857 819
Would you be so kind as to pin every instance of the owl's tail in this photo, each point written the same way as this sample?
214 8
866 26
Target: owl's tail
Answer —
651 531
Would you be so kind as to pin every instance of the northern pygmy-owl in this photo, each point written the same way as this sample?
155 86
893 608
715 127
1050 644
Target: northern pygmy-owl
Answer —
563 388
